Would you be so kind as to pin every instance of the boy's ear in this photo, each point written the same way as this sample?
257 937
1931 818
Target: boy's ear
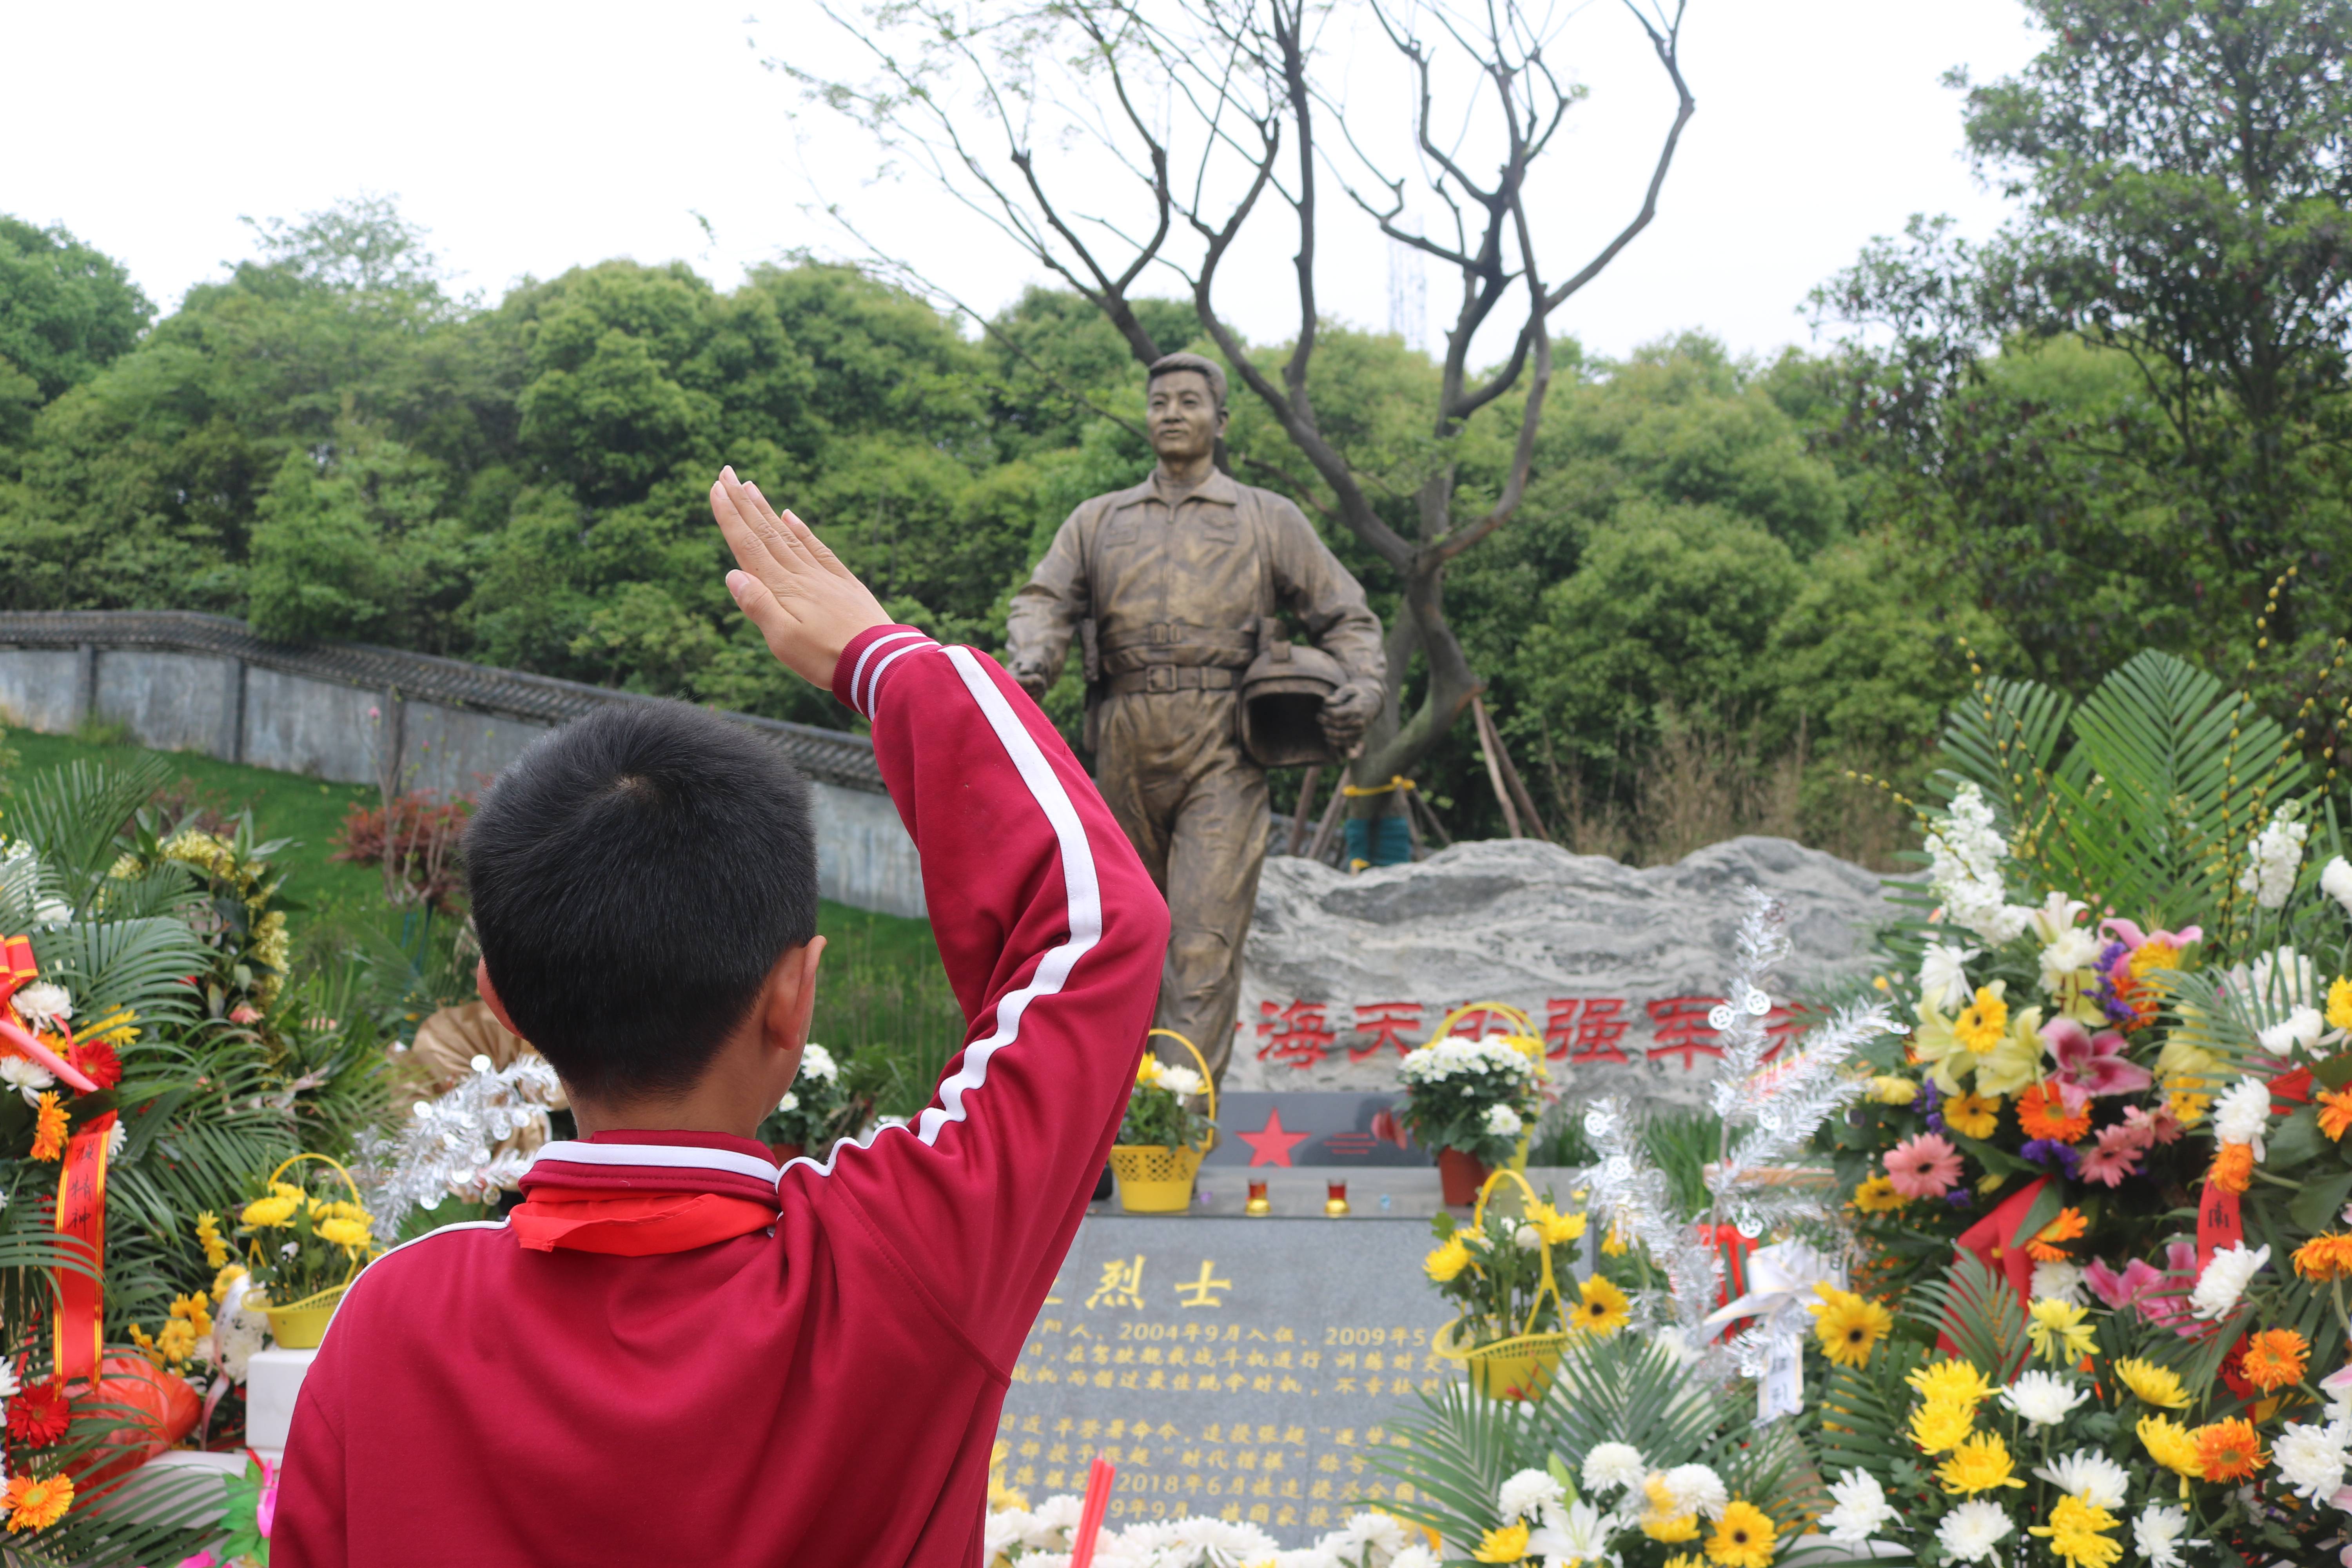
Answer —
490 998
791 996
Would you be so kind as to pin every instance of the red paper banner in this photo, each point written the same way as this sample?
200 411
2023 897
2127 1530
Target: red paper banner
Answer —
2218 1224
82 1215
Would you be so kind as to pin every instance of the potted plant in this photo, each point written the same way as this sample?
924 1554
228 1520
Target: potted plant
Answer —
304 1248
1161 1139
1471 1100
1502 1273
812 1112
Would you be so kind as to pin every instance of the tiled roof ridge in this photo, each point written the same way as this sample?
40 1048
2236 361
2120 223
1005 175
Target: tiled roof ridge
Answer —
834 756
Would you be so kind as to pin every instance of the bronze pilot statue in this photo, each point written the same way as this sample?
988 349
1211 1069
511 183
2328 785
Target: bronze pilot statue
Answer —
1174 589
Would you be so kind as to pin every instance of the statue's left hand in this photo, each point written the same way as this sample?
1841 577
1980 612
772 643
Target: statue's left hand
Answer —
1347 714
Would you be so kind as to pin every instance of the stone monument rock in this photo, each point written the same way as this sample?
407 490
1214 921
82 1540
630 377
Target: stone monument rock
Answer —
1617 967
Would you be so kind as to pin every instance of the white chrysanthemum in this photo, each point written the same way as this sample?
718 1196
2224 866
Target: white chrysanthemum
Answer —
1944 976
25 1075
816 1062
1183 1082
1197 1542
1697 1487
1613 1465
1458 1054
2276 856
1965 850
2224 1280
117 1136
1861 1510
2159 1533
45 1001
1375 1534
2311 1459
2088 1475
791 1102
1001 1531
242 1333
2059 1279
2336 881
1972 1531
2302 1026
2275 984
1414 1557
1051 1522
9 1385
2075 948
2044 1398
1527 1494
1503 1122
2242 1113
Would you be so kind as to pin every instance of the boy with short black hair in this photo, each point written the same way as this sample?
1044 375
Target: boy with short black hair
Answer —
672 1352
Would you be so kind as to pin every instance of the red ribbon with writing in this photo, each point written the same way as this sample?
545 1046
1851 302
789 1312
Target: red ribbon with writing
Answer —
82 1217
2218 1224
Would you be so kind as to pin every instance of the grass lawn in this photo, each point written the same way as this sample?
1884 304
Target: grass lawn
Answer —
862 947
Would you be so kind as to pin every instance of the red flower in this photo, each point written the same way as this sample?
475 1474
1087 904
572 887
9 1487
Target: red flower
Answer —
98 1062
40 1415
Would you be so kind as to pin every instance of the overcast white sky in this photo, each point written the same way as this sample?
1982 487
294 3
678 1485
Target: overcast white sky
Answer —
532 137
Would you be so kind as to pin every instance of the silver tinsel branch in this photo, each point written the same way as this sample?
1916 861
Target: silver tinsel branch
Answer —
449 1147
1630 1194
1778 1104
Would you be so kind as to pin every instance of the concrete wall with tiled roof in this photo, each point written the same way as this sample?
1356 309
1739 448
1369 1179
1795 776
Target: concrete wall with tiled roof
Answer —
358 714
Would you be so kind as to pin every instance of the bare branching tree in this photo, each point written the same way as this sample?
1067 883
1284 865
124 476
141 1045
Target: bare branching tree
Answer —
1121 142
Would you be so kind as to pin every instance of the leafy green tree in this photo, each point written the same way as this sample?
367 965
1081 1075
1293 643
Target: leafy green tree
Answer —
66 312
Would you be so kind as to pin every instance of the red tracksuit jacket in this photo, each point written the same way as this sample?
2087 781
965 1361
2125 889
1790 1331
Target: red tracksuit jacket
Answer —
826 1391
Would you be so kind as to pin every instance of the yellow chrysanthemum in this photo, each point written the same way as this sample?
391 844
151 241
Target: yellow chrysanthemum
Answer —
1616 1243
1447 1261
2171 1444
1890 1090
1743 1537
197 1309
1506 1544
2077 1531
1954 1381
1146 1071
1941 1425
1554 1227
1686 1560
2157 1386
230 1273
208 1236
351 1235
177 1340
272 1213
1877 1196
2340 1002
1980 1464
2059 1332
1976 1115
1848 1326
1601 1308
39 1504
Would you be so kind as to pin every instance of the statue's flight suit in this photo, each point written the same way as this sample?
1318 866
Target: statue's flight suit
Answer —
1176 587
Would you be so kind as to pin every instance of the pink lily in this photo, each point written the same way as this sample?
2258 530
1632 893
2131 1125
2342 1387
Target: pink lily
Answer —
2121 1291
2131 936
2090 1064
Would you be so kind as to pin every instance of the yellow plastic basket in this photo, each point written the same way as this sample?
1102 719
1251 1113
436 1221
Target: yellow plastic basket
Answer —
1156 1180
1521 1366
300 1325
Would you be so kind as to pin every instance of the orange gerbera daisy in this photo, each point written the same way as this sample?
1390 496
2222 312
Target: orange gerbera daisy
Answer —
2324 1258
2274 1359
2234 1168
2335 1113
49 1132
2230 1450
2043 1115
2048 1244
36 1505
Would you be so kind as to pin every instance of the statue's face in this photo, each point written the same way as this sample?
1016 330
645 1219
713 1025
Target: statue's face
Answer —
1183 415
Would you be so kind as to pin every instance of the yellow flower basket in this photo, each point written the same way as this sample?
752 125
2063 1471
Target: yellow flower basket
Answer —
1521 1366
1155 1180
300 1325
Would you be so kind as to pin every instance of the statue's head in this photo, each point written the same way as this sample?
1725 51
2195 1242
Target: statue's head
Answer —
1184 406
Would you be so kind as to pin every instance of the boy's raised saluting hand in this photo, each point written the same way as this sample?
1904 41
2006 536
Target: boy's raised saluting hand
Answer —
806 604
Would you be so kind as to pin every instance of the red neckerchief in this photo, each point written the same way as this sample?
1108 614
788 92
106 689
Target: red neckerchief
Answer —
634 1210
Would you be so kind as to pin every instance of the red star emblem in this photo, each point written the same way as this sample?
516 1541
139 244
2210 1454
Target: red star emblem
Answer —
1270 1145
